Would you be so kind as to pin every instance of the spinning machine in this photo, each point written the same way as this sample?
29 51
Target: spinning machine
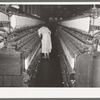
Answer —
79 57
20 51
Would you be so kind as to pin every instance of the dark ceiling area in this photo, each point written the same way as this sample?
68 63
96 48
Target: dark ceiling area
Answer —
56 11
65 11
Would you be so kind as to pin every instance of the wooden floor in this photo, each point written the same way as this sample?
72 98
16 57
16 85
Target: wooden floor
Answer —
49 72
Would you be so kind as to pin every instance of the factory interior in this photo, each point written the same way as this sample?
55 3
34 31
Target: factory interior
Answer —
75 34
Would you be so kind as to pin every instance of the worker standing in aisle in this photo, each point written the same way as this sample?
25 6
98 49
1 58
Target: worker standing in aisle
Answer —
45 33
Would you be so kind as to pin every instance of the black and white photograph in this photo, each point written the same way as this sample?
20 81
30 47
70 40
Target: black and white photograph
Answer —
50 45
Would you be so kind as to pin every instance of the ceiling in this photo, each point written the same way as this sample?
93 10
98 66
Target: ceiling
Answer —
59 11
65 11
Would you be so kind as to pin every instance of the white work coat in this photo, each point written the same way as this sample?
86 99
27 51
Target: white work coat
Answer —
46 39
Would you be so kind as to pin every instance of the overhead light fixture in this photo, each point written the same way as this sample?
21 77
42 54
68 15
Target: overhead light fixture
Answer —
36 15
94 7
65 8
94 13
61 19
15 6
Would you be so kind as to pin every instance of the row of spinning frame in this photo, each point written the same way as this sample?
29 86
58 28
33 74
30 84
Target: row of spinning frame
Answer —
20 51
79 63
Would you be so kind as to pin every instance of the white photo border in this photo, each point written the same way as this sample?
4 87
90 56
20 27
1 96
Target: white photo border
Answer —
50 92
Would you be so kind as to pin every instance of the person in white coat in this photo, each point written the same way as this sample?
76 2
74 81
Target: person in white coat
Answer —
46 40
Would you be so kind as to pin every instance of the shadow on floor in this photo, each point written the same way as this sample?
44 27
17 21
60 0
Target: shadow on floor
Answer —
49 72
